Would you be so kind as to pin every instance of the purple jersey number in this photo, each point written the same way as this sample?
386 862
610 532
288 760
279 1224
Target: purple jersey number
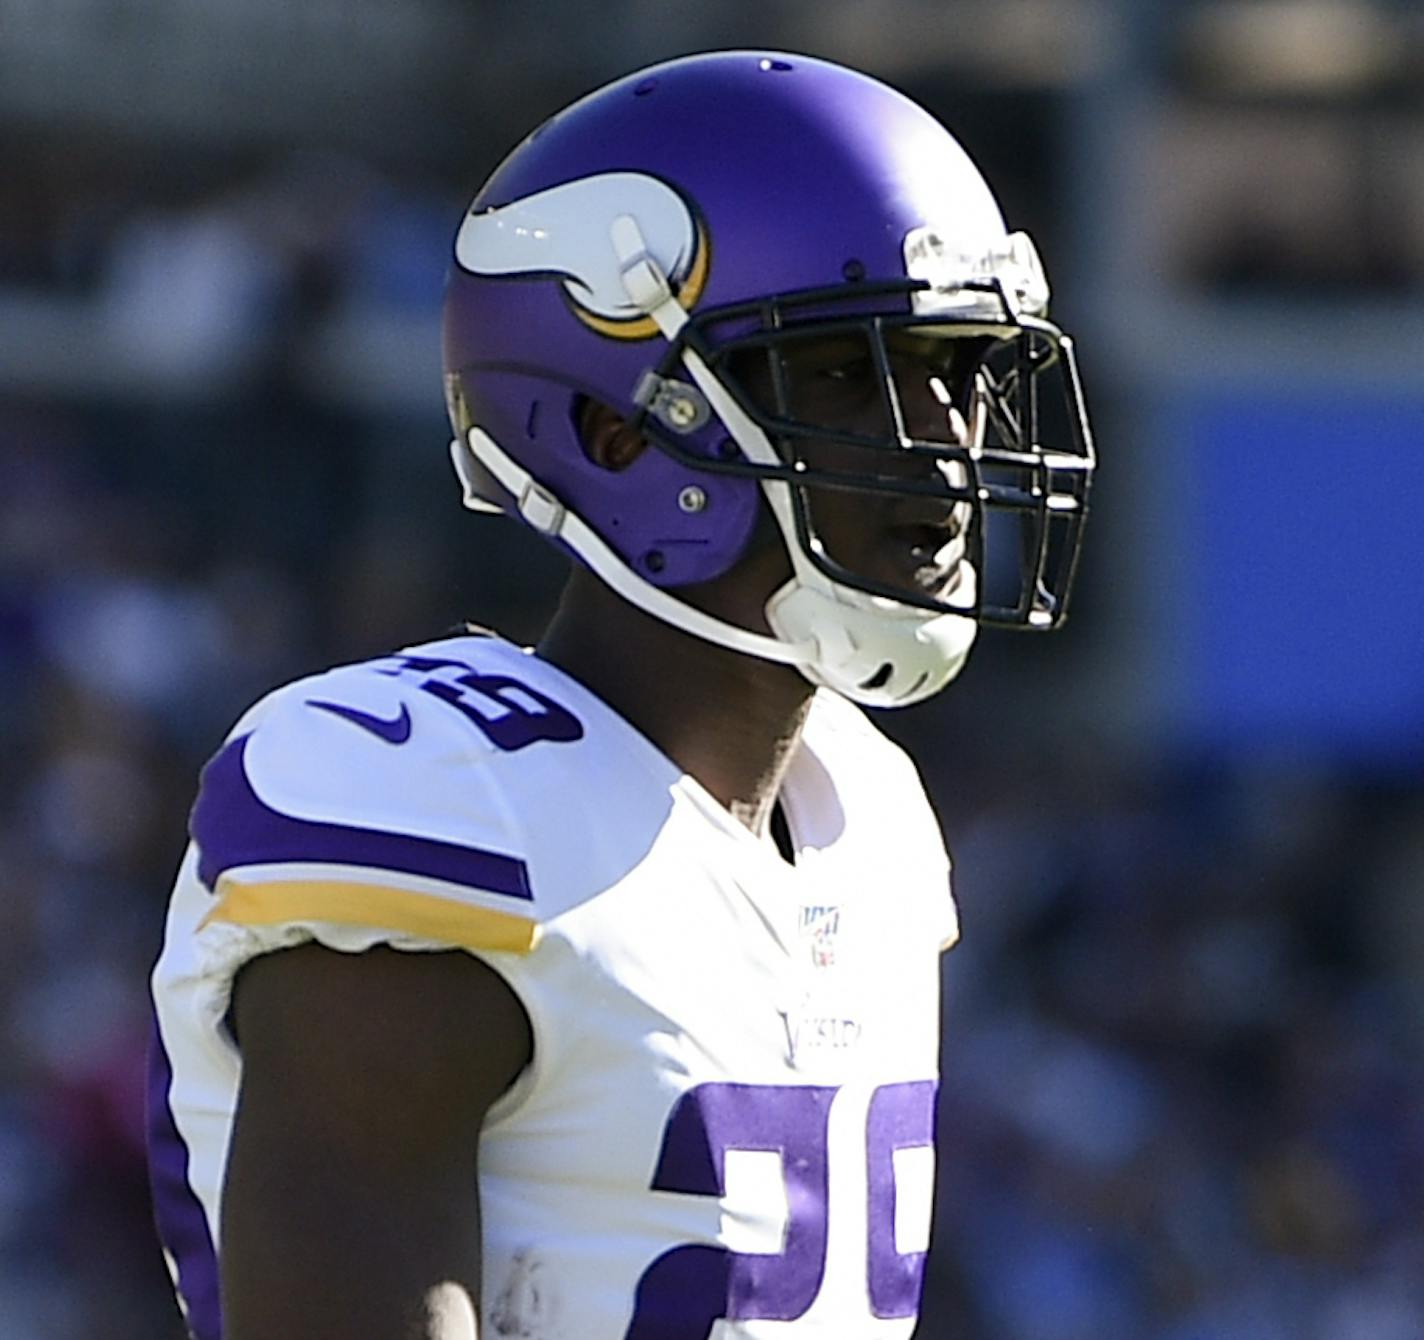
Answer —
685 1290
510 714
901 1117
688 1288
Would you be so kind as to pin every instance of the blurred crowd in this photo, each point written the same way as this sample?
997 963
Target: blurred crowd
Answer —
1183 1030
1181 1096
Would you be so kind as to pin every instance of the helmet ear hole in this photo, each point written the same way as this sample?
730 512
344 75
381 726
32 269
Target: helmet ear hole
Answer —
605 435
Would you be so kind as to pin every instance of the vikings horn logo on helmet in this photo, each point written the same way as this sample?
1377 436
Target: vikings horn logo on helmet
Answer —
567 231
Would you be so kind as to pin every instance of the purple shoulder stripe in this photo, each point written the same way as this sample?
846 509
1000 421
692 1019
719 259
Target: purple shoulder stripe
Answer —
178 1214
232 827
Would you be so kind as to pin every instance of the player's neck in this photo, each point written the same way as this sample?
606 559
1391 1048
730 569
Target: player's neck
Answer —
728 720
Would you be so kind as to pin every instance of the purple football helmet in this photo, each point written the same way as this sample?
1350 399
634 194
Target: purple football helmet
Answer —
795 284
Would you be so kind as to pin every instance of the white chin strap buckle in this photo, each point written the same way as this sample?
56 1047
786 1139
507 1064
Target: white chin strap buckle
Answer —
541 509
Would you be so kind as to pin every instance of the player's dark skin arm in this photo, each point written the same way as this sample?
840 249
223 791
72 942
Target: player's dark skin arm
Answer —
350 1209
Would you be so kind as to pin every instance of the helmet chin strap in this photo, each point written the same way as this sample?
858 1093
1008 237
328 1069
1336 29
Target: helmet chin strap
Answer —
875 651
546 514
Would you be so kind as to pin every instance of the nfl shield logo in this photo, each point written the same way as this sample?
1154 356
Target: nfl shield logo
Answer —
819 926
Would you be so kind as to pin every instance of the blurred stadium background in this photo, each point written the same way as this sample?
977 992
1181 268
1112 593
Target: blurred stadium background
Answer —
1184 1028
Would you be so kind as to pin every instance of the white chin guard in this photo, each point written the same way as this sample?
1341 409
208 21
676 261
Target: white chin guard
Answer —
874 651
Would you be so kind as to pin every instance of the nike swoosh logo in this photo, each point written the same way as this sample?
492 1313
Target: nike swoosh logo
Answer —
396 731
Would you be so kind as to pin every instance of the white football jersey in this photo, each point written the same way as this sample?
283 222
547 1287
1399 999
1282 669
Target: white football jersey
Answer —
726 1128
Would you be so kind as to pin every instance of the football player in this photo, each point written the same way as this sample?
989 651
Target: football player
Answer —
590 991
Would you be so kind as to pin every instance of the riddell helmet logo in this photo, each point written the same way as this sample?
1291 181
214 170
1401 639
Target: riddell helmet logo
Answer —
566 232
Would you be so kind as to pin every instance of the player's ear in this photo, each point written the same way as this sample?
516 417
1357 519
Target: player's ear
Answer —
607 439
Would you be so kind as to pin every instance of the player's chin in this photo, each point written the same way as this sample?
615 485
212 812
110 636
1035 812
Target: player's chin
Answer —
952 586
932 566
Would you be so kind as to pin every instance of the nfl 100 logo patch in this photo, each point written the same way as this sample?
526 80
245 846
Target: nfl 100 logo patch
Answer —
820 924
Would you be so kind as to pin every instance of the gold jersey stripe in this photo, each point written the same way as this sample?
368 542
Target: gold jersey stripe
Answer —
347 903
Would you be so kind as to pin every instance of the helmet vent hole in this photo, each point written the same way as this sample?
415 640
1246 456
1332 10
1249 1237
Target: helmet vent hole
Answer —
853 271
780 66
880 678
654 561
644 87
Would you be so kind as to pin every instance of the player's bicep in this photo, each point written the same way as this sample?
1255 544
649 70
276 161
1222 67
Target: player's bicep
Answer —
350 1197
386 1034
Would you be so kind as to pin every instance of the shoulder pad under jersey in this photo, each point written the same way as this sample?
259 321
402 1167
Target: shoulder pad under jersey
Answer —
387 795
